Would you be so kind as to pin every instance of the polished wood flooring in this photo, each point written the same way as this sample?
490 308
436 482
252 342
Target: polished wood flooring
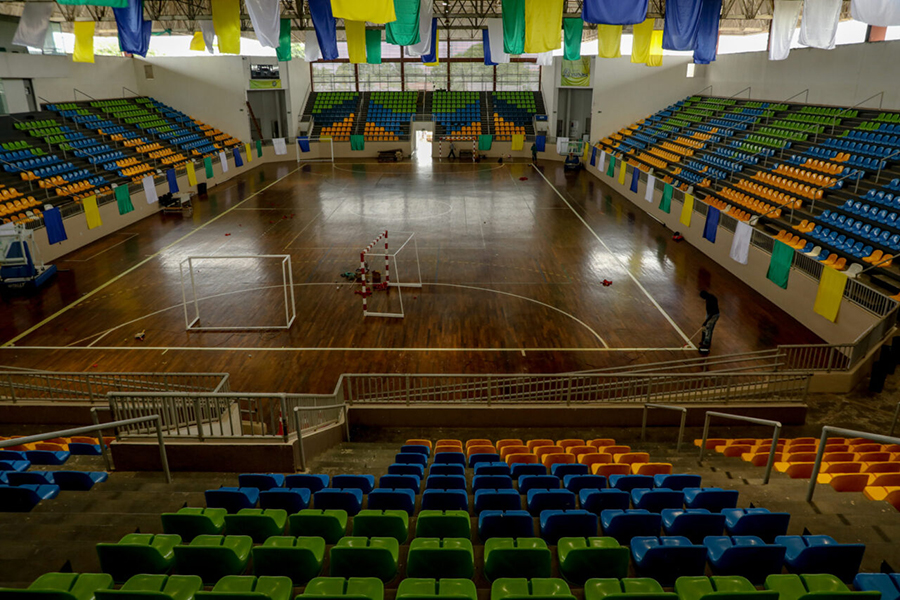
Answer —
512 266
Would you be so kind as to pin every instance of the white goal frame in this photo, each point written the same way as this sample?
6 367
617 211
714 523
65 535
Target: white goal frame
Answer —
317 140
287 275
388 254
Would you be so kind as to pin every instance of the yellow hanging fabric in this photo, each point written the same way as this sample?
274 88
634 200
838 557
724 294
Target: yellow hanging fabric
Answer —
687 210
640 49
226 16
437 49
830 294
248 152
543 25
373 11
622 167
518 141
656 49
587 153
356 40
91 212
84 41
192 176
197 43
609 41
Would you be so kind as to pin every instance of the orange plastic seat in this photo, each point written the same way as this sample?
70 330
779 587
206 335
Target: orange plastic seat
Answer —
579 450
51 447
649 468
846 482
834 457
881 467
890 494
884 479
869 457
557 459
610 469
800 457
521 458
507 450
542 451
794 448
480 450
444 448
837 447
630 458
419 443
508 442
455 443
470 443
569 443
795 470
712 443
842 467
762 459
802 440
736 450
532 444
595 459
601 442
616 450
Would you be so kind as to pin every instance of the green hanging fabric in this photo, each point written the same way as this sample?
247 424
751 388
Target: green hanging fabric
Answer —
207 162
514 26
572 29
373 46
284 41
611 169
665 204
357 142
123 199
259 148
780 266
110 3
485 142
405 30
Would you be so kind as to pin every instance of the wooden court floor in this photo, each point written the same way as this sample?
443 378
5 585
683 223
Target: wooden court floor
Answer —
512 261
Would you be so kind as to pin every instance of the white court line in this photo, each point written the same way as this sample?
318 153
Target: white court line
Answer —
326 349
66 308
621 264
93 256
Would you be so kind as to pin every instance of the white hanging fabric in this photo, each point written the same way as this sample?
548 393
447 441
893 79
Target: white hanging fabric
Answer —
209 35
495 34
740 244
784 25
33 24
266 18
879 13
545 59
224 160
312 50
818 28
651 184
150 190
426 12
279 145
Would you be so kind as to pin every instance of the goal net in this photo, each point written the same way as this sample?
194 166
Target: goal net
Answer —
238 293
319 149
383 267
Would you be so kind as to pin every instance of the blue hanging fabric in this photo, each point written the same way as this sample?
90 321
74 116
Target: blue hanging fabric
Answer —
707 32
173 181
304 143
134 31
614 12
56 231
486 39
682 19
635 177
238 161
594 156
540 141
712 224
432 55
326 28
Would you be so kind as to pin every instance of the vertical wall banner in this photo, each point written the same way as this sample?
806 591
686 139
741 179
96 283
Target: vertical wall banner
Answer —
33 24
259 150
311 47
687 209
784 24
611 170
356 41
640 46
602 163
84 42
614 12
572 30
818 28
405 30
518 141
325 26
543 24
707 42
665 203
172 178
197 44
56 231
207 165
488 51
266 18
109 3
426 12
123 199
283 51
150 190
134 32
576 73
373 46
495 33
540 142
513 26
609 41
226 16
682 19
780 265
191 173
594 156
91 212
209 34
248 152
635 178
303 142
830 293
545 59
432 56
740 244
373 11
280 146
877 13
651 187
656 49
711 228
623 169
223 160
238 161
357 142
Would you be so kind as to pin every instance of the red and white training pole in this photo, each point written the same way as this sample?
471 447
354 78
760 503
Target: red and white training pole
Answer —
387 265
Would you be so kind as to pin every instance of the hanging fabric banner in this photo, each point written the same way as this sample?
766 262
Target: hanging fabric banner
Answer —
543 22
207 164
614 12
540 142
486 44
687 210
609 41
518 141
191 174
707 32
432 56
283 51
485 142
545 59
357 142
602 160
91 212
373 46
209 35
877 13
656 49
623 169
818 27
356 41
259 150
172 177
594 156
665 204
325 26
572 30
238 161
611 170
110 3
513 26
586 153
426 11
651 187
373 11
405 30
303 142
131 27
682 19
266 18
84 42
150 190
830 293
311 47
562 146
784 24
495 34
33 25
740 244
248 152
53 223
635 178
640 45
280 146
223 160
226 16
711 228
780 265
123 199
197 44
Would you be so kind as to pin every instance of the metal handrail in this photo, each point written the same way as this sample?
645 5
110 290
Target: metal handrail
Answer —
91 428
680 409
298 425
747 89
775 435
709 87
894 420
104 451
882 439
125 89
74 90
700 361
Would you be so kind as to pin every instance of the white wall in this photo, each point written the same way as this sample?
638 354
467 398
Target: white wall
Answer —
56 77
295 75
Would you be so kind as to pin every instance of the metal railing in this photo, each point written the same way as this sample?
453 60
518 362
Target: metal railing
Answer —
757 360
826 431
894 420
775 435
51 386
91 428
680 409
326 416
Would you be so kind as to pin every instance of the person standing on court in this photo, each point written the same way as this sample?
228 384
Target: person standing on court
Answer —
712 316
452 151
534 152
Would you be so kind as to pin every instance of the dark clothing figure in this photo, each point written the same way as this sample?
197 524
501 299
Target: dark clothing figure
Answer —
534 153
712 316
452 151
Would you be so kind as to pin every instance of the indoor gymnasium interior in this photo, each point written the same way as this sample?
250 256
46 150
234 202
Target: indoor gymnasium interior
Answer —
463 299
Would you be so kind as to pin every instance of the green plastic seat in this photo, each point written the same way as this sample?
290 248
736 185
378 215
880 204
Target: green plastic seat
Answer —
61 586
299 558
509 588
439 558
581 559
382 523
636 588
430 589
443 524
155 587
138 553
212 557
516 557
237 587
330 524
189 522
258 523
365 557
723 587
338 588
814 587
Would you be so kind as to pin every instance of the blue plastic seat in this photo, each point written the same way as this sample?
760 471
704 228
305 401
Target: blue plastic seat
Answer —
445 500
445 469
563 470
12 455
14 465
556 524
261 481
348 499
82 449
416 448
232 499
492 482
667 558
692 523
538 482
712 498
520 469
445 482
313 483
576 483
407 482
505 524
657 499
887 584
406 469
630 482
485 457
492 468
78 480
504 500
744 555
47 457
364 483
598 500
821 554
626 524
30 478
678 481
450 458
292 500
412 458
541 500
393 499
22 498
756 521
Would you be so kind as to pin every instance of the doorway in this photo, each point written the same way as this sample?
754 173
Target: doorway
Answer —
267 113
574 110
19 95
